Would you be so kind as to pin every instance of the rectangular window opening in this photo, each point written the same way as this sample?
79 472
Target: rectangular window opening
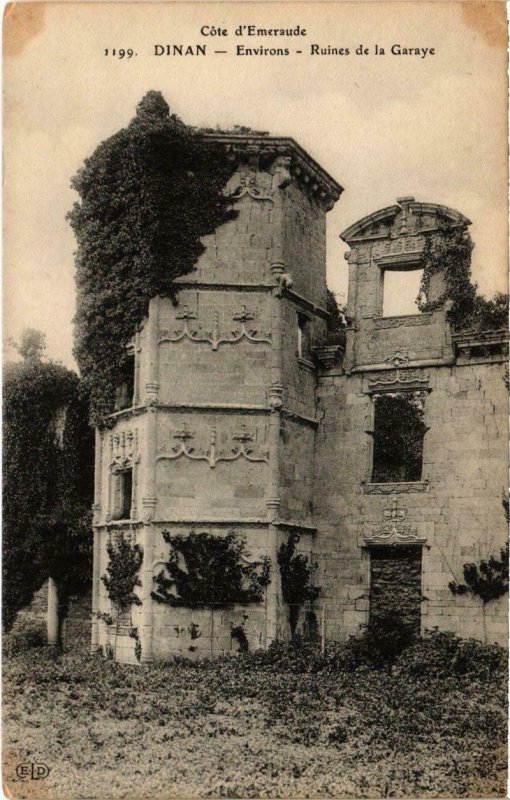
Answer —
398 434
123 494
303 337
400 292
126 386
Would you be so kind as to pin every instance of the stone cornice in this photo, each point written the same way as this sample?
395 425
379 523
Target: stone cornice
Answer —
481 345
358 231
289 294
303 168
214 408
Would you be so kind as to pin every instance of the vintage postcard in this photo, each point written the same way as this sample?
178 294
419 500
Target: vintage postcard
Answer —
255 510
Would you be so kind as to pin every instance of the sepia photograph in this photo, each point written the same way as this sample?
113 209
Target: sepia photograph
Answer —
255 400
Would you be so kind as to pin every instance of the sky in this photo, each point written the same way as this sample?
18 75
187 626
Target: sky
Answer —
384 126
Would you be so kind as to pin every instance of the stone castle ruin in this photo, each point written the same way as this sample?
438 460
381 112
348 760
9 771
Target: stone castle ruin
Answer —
243 413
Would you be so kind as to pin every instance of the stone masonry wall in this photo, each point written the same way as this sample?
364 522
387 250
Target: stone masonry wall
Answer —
456 510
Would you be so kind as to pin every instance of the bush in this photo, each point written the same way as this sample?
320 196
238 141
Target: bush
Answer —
440 655
26 638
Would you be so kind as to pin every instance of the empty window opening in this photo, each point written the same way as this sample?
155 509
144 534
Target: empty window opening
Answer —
126 386
398 435
123 494
400 292
395 585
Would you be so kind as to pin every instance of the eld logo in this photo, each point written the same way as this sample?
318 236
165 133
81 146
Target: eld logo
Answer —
35 772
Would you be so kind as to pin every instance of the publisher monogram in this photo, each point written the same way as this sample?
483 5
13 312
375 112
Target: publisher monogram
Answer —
33 770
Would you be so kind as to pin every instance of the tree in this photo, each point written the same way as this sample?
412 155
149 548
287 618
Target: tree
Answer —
148 194
47 469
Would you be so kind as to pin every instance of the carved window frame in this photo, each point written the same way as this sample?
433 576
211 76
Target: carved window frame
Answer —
393 487
396 262
120 494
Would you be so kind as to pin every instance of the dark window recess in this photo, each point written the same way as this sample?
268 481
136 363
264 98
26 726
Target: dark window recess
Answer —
304 349
126 386
398 437
395 584
123 494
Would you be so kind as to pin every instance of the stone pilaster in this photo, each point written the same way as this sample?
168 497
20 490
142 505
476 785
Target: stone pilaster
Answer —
152 383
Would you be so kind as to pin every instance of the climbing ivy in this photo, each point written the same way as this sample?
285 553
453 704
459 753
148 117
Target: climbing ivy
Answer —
487 580
449 251
207 570
125 560
148 194
296 572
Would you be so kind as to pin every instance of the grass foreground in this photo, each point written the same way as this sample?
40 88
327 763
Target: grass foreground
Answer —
286 723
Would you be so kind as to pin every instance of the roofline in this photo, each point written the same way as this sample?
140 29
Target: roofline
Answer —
302 162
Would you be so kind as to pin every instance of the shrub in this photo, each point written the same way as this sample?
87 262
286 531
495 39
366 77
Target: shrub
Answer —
19 641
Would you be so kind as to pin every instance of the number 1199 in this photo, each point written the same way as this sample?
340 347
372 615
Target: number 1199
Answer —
119 52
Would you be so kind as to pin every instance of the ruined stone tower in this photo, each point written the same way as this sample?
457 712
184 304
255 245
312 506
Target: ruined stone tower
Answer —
218 427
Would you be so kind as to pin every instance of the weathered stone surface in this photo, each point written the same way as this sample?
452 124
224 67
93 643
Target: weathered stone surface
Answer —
233 428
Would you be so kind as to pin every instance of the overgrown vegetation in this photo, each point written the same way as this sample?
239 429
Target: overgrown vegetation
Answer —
336 323
121 580
450 252
207 570
147 196
296 571
487 580
288 722
47 468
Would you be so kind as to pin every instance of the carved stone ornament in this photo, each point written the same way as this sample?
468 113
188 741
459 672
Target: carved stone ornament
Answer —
214 338
328 355
393 530
396 488
400 376
275 396
284 281
213 456
123 450
248 187
402 322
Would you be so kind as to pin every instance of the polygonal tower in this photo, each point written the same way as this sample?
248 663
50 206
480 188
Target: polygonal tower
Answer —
215 428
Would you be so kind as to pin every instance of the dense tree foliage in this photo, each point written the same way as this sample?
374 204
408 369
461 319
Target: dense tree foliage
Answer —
47 470
148 195
207 570
450 253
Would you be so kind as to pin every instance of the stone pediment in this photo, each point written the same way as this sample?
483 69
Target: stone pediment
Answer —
406 218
